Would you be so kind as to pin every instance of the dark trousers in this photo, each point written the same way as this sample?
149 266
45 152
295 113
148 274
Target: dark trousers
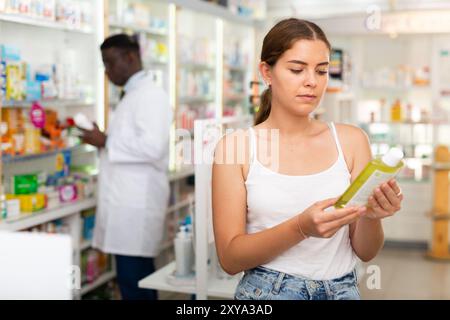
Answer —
130 270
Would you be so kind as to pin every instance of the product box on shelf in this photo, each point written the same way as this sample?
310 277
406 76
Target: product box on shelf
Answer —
14 82
2 78
88 217
63 160
12 6
52 197
9 53
29 203
68 193
24 7
49 9
69 13
12 208
24 184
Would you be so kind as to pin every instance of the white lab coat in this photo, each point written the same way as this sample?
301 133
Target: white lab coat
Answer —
133 184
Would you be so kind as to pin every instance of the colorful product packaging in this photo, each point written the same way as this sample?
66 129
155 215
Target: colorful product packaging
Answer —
13 208
24 184
29 203
68 193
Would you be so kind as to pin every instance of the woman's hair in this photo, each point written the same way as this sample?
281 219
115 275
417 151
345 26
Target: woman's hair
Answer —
280 39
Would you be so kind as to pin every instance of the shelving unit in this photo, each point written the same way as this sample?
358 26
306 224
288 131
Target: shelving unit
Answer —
238 68
7 159
222 288
84 42
210 280
49 103
26 221
42 23
103 279
54 43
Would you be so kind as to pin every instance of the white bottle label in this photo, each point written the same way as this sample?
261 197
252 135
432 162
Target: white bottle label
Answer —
361 197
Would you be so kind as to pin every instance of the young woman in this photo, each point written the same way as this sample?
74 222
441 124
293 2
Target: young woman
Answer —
275 220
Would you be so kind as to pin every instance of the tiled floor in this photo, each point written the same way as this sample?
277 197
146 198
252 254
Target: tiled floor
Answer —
404 274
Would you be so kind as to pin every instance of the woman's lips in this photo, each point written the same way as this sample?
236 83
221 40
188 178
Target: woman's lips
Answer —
306 97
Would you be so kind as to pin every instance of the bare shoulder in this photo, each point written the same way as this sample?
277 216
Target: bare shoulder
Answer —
233 148
354 142
351 134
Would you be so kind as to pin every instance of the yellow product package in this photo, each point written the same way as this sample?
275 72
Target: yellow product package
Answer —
29 202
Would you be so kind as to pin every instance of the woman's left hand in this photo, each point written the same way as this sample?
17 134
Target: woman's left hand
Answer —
385 201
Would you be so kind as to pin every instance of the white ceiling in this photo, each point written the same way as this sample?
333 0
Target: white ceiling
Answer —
314 9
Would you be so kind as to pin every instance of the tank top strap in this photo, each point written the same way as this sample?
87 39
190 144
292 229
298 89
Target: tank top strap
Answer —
252 143
336 139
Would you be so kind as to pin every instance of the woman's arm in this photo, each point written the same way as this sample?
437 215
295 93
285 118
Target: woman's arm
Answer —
367 236
237 250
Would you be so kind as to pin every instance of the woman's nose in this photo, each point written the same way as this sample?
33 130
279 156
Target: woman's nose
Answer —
310 79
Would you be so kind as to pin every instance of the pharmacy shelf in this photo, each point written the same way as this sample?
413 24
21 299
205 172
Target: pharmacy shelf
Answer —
235 69
235 97
396 88
209 8
157 63
49 103
30 220
195 100
98 282
221 288
152 31
6 159
181 174
403 123
166 245
20 19
181 204
85 244
192 66
441 166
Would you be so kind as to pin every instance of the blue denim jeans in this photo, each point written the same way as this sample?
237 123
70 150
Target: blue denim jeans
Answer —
265 284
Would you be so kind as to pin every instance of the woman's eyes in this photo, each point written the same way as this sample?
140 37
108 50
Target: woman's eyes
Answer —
321 72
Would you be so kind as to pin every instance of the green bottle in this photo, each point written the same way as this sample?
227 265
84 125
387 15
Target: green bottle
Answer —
376 172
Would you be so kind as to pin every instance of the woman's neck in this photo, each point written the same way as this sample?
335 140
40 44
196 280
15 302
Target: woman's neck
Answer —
289 124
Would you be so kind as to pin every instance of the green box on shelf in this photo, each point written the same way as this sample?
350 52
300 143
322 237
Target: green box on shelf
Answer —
24 184
30 183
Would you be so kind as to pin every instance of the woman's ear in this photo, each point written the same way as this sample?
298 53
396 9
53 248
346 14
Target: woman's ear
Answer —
266 72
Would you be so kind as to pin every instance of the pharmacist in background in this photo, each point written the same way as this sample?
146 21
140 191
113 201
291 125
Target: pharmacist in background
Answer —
133 183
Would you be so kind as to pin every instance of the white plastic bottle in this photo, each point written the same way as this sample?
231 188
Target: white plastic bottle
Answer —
83 122
184 253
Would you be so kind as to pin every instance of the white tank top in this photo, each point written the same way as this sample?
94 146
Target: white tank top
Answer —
273 198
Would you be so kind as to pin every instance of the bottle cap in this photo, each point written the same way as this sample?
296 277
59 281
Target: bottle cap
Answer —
392 157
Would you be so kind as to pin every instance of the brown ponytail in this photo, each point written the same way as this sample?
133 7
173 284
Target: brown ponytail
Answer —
264 108
279 39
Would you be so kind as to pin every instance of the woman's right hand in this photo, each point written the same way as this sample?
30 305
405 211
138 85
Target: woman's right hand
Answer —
315 222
